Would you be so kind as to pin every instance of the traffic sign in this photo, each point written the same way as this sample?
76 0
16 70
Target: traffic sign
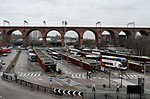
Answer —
68 80
50 80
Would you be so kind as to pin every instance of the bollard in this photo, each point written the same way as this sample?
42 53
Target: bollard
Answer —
45 89
37 87
31 86
11 78
26 84
105 95
20 82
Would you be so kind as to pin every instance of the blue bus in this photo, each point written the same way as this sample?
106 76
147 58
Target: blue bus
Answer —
56 55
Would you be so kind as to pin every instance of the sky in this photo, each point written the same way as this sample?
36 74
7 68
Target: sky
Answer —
76 12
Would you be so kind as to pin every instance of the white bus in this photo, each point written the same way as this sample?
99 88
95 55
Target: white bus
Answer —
96 51
32 57
56 55
75 52
115 62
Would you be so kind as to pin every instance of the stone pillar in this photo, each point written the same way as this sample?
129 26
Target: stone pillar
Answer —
99 39
62 39
43 41
81 41
5 38
24 41
131 40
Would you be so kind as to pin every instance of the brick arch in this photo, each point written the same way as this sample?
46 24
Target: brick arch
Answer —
95 35
7 34
76 32
113 37
29 31
143 33
48 32
52 30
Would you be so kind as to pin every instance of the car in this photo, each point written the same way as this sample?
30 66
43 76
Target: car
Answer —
4 54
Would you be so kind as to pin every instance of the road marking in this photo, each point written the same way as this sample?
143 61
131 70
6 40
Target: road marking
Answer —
124 82
58 82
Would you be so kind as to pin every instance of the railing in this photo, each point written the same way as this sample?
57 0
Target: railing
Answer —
83 95
47 89
13 62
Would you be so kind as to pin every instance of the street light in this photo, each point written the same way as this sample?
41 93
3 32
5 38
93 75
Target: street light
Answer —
64 23
109 76
121 79
144 65
25 22
44 22
131 23
5 21
98 23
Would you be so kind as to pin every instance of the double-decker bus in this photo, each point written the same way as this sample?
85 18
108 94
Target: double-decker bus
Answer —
56 55
75 52
32 57
96 52
115 62
31 51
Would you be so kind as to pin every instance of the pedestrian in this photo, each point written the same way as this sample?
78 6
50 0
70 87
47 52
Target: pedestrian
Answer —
15 78
117 90
87 75
93 88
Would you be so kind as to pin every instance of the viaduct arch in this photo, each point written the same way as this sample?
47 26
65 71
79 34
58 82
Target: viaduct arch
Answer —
114 31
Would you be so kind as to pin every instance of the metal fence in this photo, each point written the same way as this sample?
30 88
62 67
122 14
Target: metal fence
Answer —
92 95
86 95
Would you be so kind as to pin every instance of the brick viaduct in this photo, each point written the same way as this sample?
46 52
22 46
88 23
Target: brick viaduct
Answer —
114 32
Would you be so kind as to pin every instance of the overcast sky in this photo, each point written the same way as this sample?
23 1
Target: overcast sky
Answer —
76 12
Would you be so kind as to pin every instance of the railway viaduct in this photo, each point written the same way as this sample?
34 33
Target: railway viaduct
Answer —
114 32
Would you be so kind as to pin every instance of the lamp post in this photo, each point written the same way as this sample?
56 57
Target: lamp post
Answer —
64 23
121 78
144 66
98 23
25 22
5 21
109 76
131 23
44 22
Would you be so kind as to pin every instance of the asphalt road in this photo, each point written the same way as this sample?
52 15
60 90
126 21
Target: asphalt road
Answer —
98 78
14 91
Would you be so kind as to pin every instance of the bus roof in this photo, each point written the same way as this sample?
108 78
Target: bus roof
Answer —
92 55
55 53
32 54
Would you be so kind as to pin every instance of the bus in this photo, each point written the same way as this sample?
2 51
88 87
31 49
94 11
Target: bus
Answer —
96 52
115 62
32 57
31 51
75 52
56 55
96 59
93 57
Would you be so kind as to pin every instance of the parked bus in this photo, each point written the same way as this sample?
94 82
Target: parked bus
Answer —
56 55
75 52
31 51
96 59
32 57
115 62
96 52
